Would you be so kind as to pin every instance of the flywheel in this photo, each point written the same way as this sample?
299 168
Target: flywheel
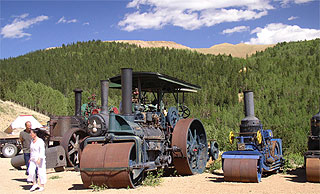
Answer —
190 138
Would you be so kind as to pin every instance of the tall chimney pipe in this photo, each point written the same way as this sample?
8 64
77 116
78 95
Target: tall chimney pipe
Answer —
126 85
248 103
77 97
104 96
250 123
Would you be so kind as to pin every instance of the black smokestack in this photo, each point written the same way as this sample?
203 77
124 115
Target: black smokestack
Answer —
77 97
248 103
104 96
126 85
249 124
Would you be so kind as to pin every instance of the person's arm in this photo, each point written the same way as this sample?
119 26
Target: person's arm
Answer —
42 154
21 139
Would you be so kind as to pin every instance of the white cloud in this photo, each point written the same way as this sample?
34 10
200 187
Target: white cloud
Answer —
236 29
191 14
86 23
19 24
292 18
64 21
286 2
278 32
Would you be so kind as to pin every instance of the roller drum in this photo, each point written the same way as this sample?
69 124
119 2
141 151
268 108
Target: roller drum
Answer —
107 164
241 170
313 169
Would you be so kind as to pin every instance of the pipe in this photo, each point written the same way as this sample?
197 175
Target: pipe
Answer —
126 86
77 99
248 103
104 96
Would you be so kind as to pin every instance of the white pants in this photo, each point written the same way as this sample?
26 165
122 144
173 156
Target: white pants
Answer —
42 173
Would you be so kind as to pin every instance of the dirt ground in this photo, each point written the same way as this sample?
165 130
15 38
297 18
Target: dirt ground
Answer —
14 181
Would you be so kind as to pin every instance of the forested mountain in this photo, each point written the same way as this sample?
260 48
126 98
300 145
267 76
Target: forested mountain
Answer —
285 80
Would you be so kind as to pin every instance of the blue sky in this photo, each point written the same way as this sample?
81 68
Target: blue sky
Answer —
27 26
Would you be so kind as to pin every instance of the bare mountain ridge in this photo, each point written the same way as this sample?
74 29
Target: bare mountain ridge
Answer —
238 50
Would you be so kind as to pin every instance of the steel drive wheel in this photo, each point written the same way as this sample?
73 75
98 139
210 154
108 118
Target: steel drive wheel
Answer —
9 150
71 144
190 137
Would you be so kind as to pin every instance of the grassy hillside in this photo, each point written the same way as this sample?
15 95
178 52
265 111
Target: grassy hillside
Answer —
285 79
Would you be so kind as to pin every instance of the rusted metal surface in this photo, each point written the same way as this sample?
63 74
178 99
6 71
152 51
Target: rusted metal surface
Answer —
313 169
189 136
240 170
71 144
107 164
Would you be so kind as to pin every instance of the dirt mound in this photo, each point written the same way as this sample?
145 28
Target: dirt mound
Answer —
151 44
9 111
239 50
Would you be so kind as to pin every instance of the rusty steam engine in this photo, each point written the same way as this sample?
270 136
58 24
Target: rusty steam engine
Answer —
122 147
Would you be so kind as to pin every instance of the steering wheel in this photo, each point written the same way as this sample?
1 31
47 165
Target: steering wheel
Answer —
184 111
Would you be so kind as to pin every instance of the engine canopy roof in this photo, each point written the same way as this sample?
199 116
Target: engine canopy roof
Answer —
155 82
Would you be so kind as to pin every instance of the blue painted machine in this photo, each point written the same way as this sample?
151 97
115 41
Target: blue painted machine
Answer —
257 150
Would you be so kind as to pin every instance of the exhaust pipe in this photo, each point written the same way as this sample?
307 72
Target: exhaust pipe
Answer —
126 90
248 103
250 124
126 85
104 96
77 97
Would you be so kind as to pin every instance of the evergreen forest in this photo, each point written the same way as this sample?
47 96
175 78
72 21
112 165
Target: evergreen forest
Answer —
285 80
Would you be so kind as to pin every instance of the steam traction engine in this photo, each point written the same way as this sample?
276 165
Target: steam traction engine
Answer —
257 150
312 156
143 137
68 131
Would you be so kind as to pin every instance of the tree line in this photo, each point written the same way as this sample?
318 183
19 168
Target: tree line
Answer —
284 78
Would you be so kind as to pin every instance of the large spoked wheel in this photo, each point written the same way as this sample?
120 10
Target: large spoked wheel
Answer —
190 137
109 164
173 116
71 145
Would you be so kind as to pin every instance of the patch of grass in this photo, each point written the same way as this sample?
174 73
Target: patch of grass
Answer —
216 165
153 178
292 161
55 177
98 188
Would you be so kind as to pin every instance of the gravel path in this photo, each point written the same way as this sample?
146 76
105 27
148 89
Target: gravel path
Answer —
14 181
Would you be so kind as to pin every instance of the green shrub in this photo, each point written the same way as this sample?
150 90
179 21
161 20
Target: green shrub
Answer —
153 178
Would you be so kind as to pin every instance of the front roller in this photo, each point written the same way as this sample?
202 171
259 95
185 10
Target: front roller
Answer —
313 169
189 137
241 170
108 164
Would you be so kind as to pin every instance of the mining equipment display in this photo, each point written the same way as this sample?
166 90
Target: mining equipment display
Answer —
145 136
312 156
257 150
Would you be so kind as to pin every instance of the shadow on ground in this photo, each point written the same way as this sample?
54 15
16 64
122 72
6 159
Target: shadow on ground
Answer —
298 175
20 180
26 187
77 187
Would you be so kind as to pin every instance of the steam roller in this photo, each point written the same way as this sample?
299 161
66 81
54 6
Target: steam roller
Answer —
257 151
145 136
312 156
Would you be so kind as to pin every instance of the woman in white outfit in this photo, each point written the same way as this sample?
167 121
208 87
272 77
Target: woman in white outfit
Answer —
37 160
